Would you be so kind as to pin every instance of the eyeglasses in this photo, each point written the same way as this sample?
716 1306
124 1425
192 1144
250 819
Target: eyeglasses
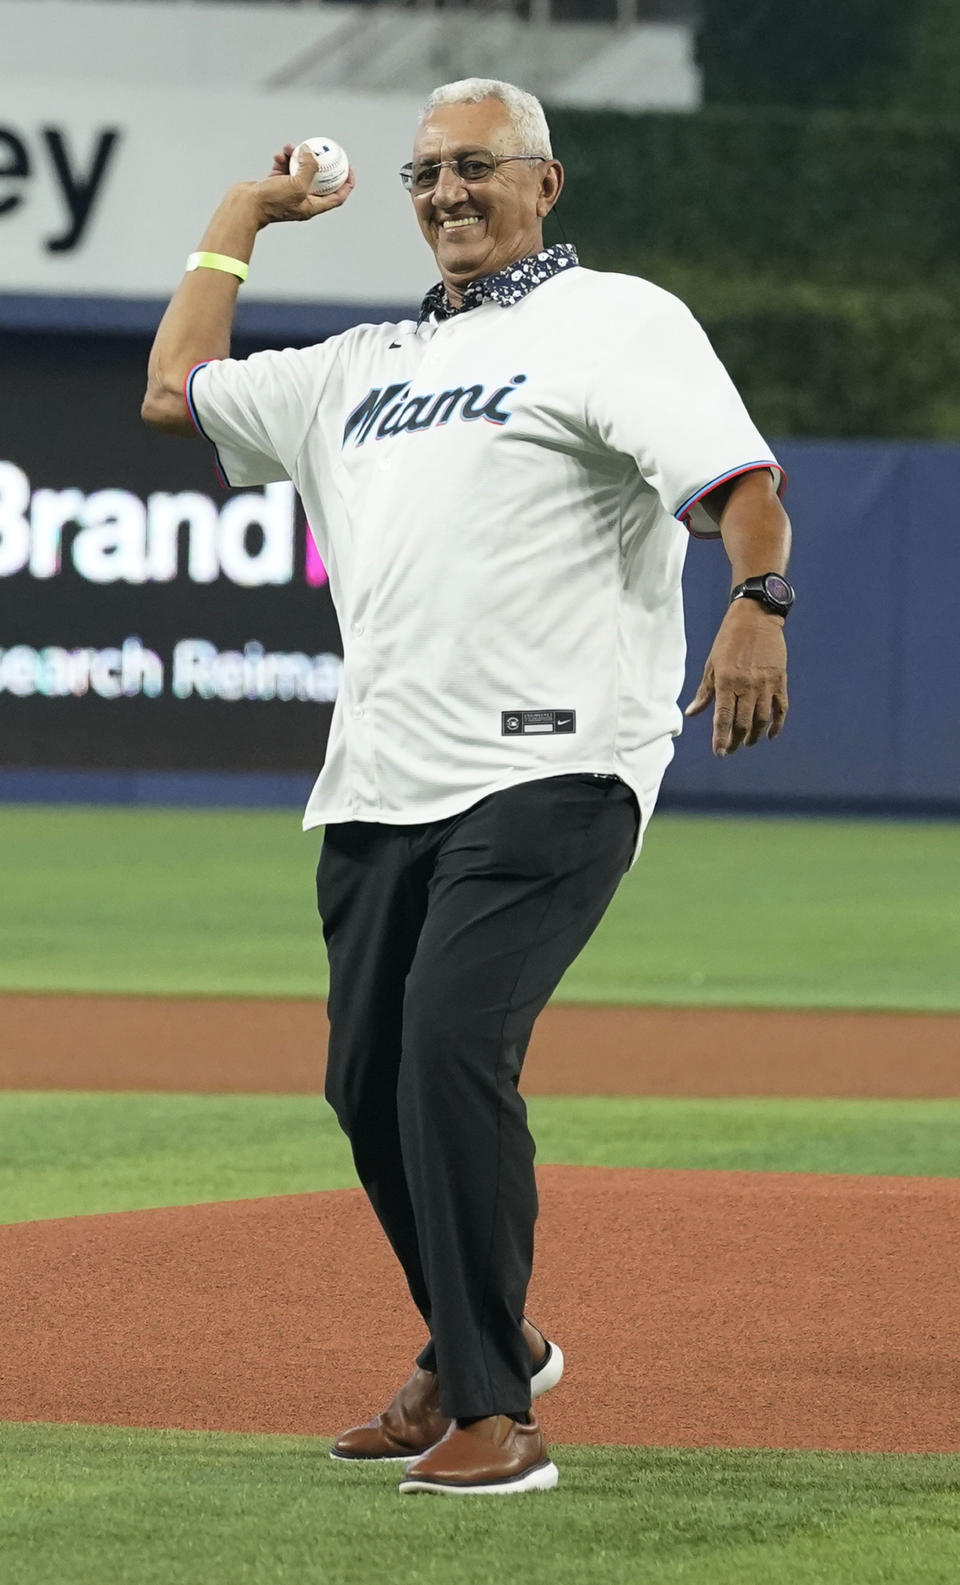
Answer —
478 165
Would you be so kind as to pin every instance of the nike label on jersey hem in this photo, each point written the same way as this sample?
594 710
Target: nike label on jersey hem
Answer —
529 723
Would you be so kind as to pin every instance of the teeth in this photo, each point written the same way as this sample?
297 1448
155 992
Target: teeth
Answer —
452 225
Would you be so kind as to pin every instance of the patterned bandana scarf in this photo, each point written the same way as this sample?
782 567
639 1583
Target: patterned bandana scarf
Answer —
506 287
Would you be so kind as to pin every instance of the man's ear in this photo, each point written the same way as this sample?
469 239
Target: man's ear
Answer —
551 186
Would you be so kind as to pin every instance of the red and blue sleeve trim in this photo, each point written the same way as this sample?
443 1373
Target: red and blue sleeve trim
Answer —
195 419
683 511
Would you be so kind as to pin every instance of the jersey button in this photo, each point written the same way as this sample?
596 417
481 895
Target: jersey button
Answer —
358 628
359 711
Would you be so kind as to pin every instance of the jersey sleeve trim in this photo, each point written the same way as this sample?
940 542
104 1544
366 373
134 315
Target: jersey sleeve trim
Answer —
683 512
195 420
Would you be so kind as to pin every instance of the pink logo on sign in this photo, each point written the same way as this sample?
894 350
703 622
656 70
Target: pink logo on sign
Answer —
315 570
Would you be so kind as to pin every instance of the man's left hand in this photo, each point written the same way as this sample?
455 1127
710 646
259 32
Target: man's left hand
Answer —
746 674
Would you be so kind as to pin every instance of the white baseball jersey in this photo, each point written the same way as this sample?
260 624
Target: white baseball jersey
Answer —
497 498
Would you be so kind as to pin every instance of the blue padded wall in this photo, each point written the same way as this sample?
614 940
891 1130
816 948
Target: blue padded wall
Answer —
875 711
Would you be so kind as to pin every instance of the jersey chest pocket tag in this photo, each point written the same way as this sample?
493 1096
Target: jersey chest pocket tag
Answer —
528 723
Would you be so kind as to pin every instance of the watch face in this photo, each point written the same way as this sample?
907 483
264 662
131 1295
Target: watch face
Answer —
778 589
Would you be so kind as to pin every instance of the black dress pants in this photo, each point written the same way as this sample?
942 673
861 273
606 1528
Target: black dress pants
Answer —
445 941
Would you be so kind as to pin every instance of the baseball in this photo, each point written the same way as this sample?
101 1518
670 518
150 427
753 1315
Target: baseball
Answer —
331 160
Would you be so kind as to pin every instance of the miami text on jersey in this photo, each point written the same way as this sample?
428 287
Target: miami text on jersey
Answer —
394 411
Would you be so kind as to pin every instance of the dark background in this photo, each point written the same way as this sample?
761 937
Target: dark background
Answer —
69 417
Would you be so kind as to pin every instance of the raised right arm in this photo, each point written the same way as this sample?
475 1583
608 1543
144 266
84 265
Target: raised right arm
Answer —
197 324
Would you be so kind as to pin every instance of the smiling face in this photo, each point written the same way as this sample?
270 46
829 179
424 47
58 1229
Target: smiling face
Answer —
478 228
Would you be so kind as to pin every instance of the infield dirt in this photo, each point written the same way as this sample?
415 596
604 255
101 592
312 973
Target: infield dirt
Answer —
237 1045
695 1308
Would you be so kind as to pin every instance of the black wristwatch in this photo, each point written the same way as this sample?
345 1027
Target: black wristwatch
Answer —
771 589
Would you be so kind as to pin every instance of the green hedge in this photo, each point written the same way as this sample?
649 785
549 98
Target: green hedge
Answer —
828 361
834 195
927 79
831 54
821 252
803 52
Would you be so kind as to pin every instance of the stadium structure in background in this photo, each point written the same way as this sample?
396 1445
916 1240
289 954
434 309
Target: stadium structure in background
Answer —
151 621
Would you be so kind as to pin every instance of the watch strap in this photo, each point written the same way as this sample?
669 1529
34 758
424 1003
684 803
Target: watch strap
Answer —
770 589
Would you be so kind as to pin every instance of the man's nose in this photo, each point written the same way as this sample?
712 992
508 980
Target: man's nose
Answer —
450 187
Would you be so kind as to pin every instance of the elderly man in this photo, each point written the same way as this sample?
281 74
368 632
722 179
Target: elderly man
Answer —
509 598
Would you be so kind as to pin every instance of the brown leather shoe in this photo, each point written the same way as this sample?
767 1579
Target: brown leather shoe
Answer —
493 1457
411 1424
413 1421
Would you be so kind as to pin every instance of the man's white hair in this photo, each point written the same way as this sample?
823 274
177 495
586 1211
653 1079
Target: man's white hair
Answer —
526 111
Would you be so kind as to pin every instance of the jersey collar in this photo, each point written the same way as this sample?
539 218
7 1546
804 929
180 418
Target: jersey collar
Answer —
506 287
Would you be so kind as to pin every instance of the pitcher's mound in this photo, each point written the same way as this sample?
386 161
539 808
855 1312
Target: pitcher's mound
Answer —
695 1308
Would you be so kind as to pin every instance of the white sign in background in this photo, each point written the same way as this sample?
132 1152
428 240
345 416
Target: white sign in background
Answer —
104 190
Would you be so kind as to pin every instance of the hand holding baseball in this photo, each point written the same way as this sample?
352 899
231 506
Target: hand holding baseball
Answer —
285 195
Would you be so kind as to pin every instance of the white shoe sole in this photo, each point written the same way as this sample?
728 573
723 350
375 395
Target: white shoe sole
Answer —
543 1477
391 1458
549 1373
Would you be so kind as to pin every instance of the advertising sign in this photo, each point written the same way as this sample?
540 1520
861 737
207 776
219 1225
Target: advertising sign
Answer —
148 618
105 192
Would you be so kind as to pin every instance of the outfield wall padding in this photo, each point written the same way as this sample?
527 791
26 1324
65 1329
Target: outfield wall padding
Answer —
875 715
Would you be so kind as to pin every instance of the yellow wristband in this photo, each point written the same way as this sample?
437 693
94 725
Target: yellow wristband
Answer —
218 261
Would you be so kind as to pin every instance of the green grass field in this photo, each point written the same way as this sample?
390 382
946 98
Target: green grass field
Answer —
74 1154
84 1505
98 1506
730 912
861 914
